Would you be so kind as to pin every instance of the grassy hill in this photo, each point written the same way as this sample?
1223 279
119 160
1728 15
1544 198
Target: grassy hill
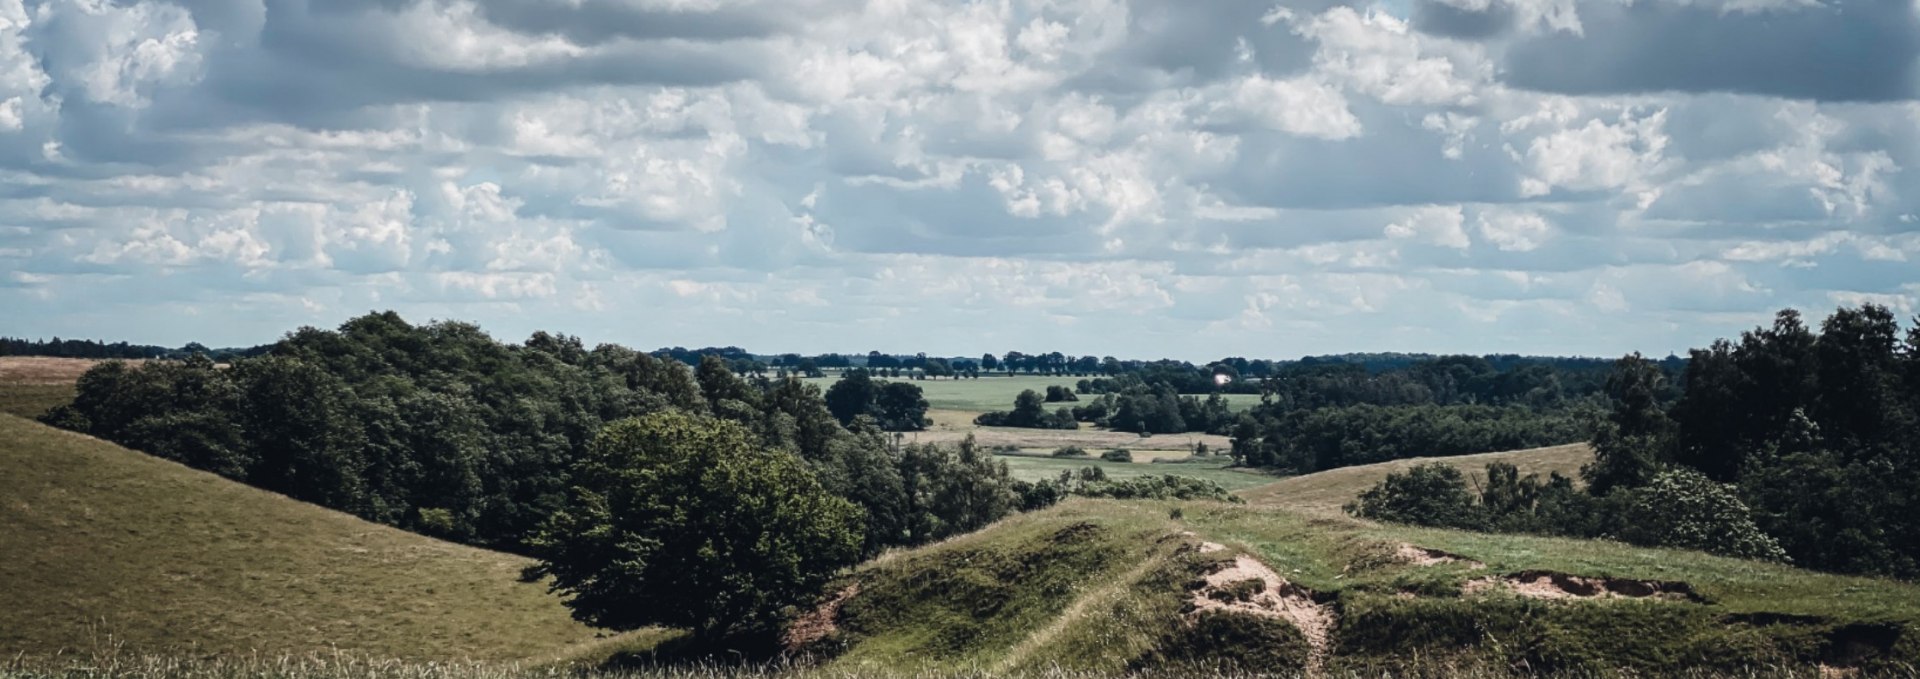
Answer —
1107 586
1326 491
99 541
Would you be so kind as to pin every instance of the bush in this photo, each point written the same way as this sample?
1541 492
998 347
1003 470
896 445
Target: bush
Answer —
1432 494
1117 455
1069 451
1683 508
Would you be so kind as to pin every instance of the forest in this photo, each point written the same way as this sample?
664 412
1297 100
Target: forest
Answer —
1791 444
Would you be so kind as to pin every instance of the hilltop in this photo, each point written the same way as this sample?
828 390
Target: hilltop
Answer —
1109 586
101 542
1327 491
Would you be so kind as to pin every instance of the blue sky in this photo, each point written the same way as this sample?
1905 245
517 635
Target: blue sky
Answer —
1130 177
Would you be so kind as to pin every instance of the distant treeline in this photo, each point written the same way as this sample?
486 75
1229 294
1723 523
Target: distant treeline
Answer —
72 348
1788 444
1319 414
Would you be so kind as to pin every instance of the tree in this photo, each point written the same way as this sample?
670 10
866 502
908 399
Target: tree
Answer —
680 520
1637 436
900 407
851 395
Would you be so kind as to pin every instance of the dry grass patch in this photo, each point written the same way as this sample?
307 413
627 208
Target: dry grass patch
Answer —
44 370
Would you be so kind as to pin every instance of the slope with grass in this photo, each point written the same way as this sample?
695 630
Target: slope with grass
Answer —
1110 586
1039 466
1327 491
101 543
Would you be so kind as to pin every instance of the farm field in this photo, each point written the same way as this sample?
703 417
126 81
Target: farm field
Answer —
31 385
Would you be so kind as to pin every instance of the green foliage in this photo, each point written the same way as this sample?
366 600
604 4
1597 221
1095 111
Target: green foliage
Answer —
1057 394
1029 411
1685 509
1431 494
1069 451
1820 433
953 490
1117 455
896 406
1315 440
685 521
1634 441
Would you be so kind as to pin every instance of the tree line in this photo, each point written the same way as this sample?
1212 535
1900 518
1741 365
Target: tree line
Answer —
1788 444
96 349
652 492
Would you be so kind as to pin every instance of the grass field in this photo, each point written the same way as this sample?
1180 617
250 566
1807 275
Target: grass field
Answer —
1327 491
1036 467
997 392
102 542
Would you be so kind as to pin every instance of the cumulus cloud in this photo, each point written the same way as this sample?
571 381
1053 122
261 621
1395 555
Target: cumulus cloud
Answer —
1129 177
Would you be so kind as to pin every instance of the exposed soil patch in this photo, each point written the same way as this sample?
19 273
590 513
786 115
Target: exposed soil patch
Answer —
1421 556
818 624
1248 587
1551 585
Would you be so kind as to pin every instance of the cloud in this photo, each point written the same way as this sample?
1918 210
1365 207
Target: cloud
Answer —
1840 51
1127 177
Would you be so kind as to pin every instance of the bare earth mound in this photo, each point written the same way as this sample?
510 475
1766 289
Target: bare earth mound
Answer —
1247 586
101 542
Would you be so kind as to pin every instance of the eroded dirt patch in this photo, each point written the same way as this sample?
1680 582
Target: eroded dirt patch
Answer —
1551 585
1248 587
818 624
1421 556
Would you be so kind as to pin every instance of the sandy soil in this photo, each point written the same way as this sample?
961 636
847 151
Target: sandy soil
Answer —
1277 598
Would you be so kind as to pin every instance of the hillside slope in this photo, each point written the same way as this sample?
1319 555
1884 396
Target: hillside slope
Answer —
100 541
1327 491
1111 586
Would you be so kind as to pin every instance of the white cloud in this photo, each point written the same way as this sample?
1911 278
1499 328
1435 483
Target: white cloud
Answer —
1123 177
1514 231
1435 224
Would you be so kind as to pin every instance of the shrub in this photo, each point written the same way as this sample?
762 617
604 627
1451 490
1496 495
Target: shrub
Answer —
1683 508
1432 494
1070 451
1117 455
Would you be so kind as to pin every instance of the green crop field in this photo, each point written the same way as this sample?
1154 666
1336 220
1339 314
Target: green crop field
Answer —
998 391
1033 467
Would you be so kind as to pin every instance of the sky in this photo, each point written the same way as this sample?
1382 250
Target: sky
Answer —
1140 178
